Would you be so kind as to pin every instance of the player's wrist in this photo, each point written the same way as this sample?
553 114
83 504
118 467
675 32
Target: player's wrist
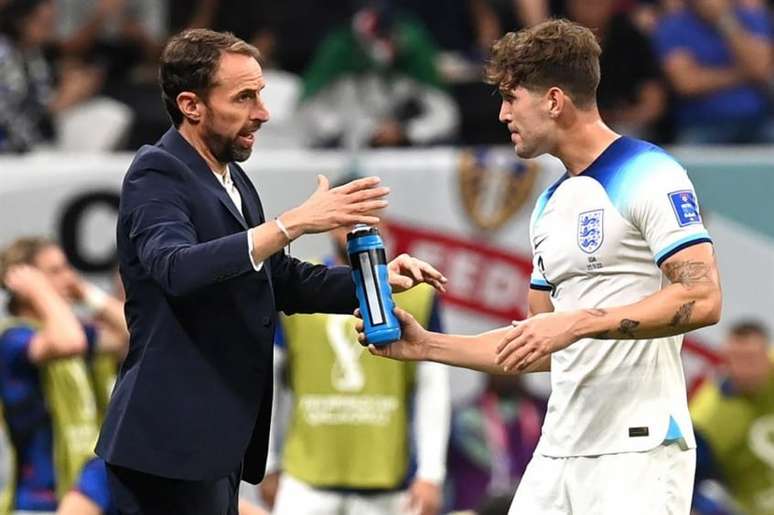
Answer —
94 298
293 222
587 323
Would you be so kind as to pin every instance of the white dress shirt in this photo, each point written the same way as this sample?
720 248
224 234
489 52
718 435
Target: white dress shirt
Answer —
228 184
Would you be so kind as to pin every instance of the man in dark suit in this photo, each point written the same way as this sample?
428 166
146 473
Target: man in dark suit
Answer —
205 274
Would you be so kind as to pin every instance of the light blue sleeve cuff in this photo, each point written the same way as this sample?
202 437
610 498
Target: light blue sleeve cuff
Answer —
674 248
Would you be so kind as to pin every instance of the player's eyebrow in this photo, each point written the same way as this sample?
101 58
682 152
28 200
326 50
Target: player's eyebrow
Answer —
242 91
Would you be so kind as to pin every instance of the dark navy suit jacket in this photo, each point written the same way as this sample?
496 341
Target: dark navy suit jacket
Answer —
193 397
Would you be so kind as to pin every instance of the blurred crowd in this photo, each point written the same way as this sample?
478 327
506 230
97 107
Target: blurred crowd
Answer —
81 74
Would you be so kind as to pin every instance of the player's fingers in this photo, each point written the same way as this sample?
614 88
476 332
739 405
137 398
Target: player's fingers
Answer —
438 285
357 313
401 281
370 194
359 184
429 272
402 315
359 219
510 335
516 358
515 345
414 268
322 183
379 351
527 361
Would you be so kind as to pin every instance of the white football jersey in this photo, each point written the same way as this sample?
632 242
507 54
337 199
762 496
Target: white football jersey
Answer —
598 240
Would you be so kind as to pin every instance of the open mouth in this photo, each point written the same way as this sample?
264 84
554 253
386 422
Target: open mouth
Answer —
246 138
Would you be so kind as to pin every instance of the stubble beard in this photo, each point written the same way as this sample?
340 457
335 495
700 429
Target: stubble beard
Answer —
224 148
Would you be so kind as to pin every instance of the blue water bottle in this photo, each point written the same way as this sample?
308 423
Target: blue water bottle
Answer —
369 271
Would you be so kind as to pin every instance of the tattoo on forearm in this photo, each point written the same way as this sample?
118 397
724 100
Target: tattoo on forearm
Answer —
627 327
683 315
687 273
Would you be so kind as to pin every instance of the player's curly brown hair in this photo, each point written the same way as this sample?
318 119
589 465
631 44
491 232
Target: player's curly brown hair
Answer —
554 53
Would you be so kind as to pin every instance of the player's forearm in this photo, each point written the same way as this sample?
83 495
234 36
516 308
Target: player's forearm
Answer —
269 239
477 352
753 54
61 334
674 310
698 80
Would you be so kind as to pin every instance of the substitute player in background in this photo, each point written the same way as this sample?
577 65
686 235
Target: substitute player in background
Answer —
54 368
356 421
602 318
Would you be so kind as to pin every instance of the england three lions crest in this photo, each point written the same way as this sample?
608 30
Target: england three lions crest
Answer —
591 230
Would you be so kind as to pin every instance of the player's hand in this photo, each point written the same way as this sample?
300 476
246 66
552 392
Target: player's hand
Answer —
405 272
28 282
411 346
531 339
424 498
328 208
713 10
269 487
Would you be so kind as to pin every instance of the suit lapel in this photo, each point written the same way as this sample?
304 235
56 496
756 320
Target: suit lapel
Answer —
179 147
249 206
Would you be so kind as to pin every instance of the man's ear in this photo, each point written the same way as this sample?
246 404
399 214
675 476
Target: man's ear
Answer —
556 100
190 105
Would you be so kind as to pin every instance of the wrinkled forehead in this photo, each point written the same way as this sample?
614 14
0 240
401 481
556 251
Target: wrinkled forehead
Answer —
238 71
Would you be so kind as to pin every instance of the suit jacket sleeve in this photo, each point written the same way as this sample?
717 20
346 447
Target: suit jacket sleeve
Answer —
155 207
301 287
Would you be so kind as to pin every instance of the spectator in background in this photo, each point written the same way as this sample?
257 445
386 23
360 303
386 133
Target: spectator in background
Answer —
49 384
492 441
123 39
348 447
469 27
375 83
631 96
116 34
34 108
717 55
255 21
734 420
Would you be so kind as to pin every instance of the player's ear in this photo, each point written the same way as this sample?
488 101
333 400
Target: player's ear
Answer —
556 99
190 105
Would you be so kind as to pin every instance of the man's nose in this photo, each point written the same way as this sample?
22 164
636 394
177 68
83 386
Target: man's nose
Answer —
505 112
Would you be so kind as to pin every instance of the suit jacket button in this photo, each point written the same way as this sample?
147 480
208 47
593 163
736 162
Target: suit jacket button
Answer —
266 321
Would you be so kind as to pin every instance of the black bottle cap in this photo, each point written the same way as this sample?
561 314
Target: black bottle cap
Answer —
362 230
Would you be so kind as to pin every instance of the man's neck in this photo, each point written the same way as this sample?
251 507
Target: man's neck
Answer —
190 134
584 141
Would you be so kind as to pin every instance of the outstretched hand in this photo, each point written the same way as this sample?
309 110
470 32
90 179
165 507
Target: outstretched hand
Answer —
412 345
328 208
405 272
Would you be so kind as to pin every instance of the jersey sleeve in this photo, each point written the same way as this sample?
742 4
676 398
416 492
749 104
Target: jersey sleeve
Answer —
14 347
537 280
665 208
